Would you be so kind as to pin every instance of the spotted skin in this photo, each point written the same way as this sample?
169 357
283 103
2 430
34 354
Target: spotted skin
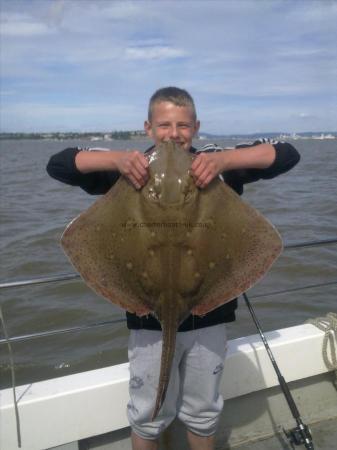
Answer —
170 248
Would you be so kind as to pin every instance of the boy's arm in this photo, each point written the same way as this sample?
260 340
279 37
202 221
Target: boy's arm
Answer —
95 171
248 162
133 165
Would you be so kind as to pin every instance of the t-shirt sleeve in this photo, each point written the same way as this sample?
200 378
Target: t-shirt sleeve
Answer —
62 167
286 157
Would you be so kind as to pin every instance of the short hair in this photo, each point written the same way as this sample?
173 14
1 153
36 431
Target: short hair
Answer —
177 96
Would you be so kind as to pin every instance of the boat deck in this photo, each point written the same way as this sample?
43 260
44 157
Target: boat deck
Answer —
324 436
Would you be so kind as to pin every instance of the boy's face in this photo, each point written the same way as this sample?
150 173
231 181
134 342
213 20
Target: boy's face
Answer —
172 122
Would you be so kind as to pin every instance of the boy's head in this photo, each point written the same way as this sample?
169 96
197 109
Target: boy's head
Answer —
172 116
177 96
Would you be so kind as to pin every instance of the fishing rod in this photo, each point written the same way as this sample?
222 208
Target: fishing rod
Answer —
300 435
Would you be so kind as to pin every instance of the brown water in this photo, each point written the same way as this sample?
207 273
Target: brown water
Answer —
35 209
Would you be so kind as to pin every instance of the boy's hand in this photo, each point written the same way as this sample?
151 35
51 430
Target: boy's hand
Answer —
206 166
134 166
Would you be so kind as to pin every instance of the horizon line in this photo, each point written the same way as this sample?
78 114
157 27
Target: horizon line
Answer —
143 132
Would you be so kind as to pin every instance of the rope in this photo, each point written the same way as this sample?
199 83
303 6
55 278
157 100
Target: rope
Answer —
11 360
328 325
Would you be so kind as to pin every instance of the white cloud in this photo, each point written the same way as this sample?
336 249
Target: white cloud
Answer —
304 115
155 52
77 117
121 10
22 25
313 13
25 29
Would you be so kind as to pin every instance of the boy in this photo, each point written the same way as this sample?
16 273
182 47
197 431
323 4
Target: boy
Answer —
193 392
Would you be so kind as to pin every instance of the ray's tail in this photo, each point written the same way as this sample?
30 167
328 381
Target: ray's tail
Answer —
169 326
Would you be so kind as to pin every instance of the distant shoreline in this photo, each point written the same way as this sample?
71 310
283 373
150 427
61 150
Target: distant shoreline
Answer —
140 134
92 136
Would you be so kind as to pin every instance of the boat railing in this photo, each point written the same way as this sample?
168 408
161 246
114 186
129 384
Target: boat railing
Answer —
74 276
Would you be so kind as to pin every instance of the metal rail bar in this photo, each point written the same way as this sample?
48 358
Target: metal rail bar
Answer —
299 288
73 276
310 243
27 337
40 280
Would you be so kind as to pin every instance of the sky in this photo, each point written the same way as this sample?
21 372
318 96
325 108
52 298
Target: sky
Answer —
252 66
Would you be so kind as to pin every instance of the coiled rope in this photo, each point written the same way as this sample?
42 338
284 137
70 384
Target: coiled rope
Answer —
328 325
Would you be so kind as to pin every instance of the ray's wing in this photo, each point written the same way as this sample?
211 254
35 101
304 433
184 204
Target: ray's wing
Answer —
235 251
98 245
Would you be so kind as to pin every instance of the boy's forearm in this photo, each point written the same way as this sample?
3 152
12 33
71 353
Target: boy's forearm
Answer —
258 157
87 162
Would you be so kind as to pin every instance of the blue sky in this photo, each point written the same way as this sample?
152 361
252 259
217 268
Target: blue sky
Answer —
251 65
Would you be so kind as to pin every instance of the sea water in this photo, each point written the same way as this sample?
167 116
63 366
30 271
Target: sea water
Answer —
35 209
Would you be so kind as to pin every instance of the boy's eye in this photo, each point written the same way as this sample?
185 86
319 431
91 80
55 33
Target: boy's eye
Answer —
180 125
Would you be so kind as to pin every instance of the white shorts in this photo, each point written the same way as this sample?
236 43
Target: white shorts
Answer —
193 391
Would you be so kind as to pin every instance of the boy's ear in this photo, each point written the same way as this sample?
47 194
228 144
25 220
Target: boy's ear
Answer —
197 126
148 128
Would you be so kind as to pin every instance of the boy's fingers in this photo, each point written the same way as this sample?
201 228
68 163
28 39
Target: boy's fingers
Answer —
134 181
203 176
136 177
196 162
201 171
206 181
143 171
144 161
140 172
137 174
133 164
139 166
139 158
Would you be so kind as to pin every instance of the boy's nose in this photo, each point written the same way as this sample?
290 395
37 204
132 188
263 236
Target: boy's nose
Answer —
173 132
